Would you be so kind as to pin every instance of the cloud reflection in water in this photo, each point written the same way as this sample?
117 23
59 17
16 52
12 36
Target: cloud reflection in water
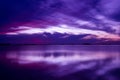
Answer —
66 61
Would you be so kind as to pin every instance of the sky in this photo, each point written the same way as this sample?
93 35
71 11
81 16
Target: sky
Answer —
52 22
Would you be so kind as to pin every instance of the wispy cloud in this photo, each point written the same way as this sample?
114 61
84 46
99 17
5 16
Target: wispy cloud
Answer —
64 29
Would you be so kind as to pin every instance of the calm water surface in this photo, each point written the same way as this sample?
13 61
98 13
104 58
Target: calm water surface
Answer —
60 62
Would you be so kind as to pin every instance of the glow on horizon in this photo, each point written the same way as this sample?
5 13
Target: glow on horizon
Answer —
64 29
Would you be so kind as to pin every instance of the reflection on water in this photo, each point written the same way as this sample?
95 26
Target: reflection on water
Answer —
58 56
63 60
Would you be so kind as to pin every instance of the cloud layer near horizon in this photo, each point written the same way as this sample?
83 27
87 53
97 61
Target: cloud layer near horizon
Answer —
64 29
51 16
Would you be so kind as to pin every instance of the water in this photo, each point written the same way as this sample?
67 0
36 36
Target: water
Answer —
60 62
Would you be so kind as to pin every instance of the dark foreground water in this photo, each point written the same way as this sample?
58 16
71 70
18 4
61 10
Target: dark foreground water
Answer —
60 62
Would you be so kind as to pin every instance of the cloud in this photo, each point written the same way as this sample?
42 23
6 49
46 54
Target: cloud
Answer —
64 29
110 8
96 22
63 19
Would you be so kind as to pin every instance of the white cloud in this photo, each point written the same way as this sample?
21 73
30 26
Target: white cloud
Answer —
65 29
